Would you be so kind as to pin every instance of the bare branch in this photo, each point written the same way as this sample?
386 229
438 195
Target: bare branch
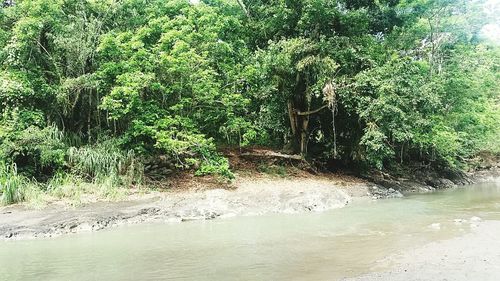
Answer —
311 111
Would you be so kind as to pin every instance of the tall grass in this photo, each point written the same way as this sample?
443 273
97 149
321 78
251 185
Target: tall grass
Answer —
91 171
106 162
11 184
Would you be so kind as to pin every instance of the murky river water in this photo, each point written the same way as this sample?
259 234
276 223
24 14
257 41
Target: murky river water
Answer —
314 246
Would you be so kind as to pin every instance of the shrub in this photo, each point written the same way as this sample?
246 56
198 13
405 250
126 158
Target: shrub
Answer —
216 165
179 139
38 152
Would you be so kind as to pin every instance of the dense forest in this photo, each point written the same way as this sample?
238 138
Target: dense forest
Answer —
91 89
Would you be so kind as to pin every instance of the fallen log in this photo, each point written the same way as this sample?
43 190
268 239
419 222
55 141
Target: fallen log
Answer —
277 156
272 154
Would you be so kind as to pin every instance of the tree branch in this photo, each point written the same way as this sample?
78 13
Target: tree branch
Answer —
311 111
243 7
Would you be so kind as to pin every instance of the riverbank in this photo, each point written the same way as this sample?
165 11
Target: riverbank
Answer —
249 195
189 198
473 256
342 243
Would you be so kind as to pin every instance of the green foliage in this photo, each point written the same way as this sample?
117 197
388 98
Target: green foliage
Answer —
443 118
215 165
166 85
180 139
118 80
15 89
36 150
376 145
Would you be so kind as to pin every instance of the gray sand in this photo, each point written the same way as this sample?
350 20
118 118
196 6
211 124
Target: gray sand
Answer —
474 256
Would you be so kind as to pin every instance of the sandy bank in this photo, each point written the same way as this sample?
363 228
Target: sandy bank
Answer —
474 256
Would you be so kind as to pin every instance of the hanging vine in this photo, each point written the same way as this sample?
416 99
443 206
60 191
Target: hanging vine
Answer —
330 98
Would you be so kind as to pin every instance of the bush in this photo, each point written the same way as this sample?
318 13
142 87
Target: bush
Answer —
179 139
38 152
216 165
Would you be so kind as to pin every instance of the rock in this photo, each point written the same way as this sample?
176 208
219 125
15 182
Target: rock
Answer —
72 226
211 215
149 211
440 183
379 192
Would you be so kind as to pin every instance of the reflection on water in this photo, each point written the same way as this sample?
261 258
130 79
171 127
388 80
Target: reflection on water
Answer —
325 246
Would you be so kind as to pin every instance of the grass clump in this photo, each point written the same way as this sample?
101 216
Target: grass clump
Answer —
89 173
11 184
75 190
105 163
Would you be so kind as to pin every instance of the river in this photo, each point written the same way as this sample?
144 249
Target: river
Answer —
336 244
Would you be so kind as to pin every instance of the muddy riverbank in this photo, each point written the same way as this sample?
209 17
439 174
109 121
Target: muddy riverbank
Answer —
249 195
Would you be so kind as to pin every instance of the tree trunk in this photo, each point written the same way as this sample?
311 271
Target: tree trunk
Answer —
304 134
299 111
299 114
